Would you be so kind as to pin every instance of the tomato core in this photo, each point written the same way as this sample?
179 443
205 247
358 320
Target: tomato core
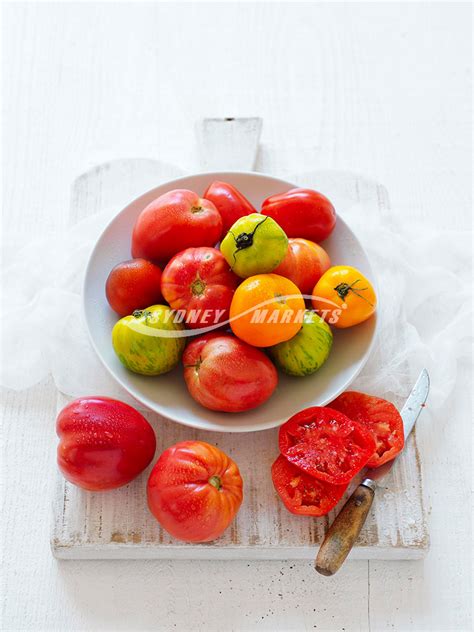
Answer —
197 287
196 209
215 481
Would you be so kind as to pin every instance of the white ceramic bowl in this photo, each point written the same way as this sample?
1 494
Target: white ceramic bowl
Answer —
167 394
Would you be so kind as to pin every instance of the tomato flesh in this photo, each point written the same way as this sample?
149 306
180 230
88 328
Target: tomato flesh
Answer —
302 494
326 444
380 417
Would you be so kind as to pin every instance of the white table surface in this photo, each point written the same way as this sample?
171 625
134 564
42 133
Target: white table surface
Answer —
381 89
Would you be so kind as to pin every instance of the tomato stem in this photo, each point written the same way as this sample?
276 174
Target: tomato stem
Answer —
244 240
343 290
215 481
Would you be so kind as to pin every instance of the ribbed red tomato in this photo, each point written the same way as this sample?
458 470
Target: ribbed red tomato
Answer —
224 373
380 417
230 203
326 444
304 264
302 213
194 491
103 443
301 493
176 220
133 284
199 281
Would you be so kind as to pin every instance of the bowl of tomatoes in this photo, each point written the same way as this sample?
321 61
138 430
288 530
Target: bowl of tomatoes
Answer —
226 301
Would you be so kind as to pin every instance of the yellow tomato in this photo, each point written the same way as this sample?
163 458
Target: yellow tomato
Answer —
266 309
344 297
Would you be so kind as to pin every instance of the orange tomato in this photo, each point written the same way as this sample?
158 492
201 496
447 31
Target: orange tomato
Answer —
304 264
266 309
344 297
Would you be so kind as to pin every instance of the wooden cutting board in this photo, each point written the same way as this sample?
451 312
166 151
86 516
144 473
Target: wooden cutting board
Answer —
117 524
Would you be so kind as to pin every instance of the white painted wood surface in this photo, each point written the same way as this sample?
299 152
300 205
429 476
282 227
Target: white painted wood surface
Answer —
118 524
375 88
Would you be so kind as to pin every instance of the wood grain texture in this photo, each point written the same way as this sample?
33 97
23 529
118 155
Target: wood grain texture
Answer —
118 524
87 82
228 143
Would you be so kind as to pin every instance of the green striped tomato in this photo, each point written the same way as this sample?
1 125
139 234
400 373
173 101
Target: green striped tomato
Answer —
306 352
140 348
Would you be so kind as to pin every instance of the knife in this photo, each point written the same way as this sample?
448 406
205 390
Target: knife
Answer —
345 529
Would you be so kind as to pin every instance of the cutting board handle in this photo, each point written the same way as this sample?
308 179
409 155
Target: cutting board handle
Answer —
228 144
345 529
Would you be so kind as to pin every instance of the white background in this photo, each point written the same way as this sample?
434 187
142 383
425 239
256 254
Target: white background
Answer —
382 89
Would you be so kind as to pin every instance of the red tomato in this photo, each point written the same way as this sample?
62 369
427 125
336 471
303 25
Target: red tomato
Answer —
199 281
302 213
230 203
304 264
225 373
194 491
303 494
326 444
378 416
133 284
103 443
176 220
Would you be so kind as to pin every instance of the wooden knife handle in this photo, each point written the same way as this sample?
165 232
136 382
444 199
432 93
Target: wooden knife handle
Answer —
345 529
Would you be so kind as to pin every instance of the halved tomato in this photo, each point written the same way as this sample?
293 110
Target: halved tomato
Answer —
326 444
378 416
302 494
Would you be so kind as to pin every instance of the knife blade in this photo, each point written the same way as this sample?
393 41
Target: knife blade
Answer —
345 529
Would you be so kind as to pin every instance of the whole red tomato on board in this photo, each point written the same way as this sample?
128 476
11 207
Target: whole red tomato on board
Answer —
304 264
380 417
133 284
326 444
301 493
225 373
194 491
230 203
103 443
302 213
176 220
199 281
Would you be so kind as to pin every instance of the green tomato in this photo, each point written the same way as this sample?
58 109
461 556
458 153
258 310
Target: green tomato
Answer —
255 244
139 345
306 352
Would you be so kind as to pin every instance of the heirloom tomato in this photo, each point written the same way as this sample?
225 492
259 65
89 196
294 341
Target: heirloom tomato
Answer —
378 416
266 309
149 342
132 285
176 220
304 264
255 244
344 297
230 203
301 493
224 373
302 213
308 350
198 281
326 444
103 443
194 491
